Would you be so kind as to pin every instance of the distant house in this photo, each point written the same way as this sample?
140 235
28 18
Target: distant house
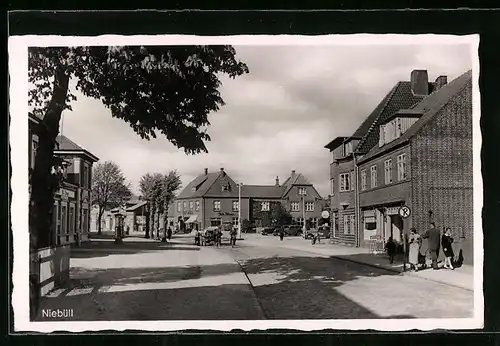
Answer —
134 210
419 156
212 199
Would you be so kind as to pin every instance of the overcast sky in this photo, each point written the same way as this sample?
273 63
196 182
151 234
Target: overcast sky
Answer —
277 118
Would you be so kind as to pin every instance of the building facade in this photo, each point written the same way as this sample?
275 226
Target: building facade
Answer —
213 199
72 203
420 157
71 209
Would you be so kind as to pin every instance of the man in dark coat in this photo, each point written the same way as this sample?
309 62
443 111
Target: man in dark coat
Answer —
433 238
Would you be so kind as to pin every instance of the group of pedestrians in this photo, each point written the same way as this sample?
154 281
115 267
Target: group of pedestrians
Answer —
167 235
436 241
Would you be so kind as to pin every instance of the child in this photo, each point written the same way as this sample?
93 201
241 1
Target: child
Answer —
390 247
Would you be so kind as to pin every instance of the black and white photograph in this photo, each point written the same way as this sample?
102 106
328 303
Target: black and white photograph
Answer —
164 183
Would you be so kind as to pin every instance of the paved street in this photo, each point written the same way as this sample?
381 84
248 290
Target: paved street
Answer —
146 280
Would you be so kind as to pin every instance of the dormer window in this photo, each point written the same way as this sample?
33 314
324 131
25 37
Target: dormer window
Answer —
302 191
347 148
397 126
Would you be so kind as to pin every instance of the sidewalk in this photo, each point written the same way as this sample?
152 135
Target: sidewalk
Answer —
462 277
144 279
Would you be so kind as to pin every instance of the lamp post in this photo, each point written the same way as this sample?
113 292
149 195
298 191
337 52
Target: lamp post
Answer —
239 211
304 215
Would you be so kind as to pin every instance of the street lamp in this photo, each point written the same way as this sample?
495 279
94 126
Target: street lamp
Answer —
239 210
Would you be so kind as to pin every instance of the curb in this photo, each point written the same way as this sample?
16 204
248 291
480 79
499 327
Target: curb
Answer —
383 268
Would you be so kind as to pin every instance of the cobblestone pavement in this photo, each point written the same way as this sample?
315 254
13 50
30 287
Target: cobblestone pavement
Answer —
147 280
299 285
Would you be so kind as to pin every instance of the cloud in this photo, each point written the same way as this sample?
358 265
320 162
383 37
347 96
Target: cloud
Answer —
277 118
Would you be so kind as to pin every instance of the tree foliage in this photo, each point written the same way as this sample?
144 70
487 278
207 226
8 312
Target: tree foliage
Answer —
158 190
165 89
109 188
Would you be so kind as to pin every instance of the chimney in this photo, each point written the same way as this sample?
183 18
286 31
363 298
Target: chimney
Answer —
293 173
277 181
440 82
222 171
206 171
419 82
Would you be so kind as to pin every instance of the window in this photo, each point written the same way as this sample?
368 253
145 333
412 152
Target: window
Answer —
216 205
402 173
191 205
179 204
302 191
85 222
265 206
185 206
349 224
86 177
347 148
63 219
236 206
309 206
295 206
215 221
225 187
388 171
353 180
332 187
235 222
335 225
71 228
363 179
301 221
197 205
373 175
345 182
34 147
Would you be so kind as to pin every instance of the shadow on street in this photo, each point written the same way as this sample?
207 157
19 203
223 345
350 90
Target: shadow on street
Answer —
101 248
304 287
97 278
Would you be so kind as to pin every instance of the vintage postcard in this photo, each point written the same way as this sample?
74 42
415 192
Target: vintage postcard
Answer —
164 183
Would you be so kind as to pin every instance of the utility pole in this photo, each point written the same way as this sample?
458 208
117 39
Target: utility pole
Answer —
239 211
304 215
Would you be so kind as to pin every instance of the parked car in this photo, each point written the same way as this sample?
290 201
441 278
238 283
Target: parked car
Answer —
208 236
292 230
324 232
265 230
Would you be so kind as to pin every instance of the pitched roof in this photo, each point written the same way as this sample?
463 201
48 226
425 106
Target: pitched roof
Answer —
261 191
429 106
66 144
297 179
136 206
400 97
203 182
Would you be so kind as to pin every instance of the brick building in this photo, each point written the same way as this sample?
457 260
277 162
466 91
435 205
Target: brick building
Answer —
212 199
420 157
347 150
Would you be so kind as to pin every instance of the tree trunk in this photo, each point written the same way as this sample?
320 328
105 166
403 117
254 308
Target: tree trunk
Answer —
99 220
42 188
150 230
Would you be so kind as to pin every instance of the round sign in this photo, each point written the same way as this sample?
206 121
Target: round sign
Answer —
404 212
325 214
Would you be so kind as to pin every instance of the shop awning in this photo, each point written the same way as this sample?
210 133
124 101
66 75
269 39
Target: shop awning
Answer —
192 219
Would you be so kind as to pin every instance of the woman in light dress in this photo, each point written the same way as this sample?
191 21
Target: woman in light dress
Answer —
415 242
